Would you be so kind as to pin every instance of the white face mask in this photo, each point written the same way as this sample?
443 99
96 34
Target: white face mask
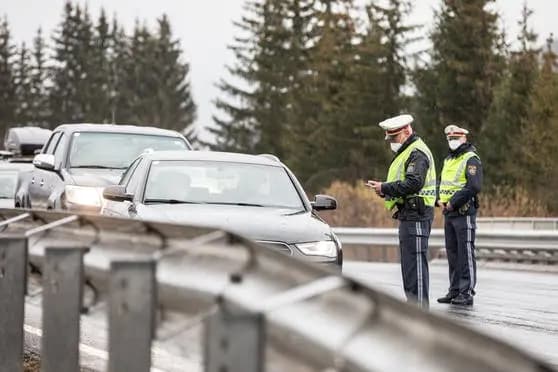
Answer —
454 144
395 146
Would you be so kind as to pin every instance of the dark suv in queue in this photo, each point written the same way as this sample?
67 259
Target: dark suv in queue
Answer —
252 195
78 160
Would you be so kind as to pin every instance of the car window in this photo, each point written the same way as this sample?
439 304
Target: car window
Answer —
116 150
218 182
59 150
128 173
52 143
133 182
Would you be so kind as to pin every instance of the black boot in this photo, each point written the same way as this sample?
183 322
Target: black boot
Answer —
447 298
464 299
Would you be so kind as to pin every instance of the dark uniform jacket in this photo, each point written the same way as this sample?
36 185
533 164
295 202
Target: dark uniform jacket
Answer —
465 199
416 169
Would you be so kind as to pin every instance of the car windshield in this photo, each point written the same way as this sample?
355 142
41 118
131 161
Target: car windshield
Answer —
214 182
116 150
8 181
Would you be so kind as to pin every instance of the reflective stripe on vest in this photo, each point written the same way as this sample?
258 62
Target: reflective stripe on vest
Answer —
453 175
397 173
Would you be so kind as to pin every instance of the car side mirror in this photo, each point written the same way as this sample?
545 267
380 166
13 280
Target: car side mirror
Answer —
323 203
44 161
116 193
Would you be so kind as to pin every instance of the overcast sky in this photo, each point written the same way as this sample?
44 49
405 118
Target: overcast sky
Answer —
205 28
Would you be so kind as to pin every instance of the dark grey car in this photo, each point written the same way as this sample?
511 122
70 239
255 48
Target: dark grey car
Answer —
80 159
255 196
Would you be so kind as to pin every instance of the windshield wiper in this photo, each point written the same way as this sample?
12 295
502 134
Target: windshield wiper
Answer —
169 201
239 204
97 167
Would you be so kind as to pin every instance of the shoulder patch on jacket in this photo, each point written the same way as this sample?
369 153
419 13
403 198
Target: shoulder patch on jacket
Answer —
472 169
411 167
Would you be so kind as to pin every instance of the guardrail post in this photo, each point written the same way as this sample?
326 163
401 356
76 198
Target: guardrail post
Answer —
234 341
62 301
13 282
131 317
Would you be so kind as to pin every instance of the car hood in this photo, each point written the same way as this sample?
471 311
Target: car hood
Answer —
257 223
95 177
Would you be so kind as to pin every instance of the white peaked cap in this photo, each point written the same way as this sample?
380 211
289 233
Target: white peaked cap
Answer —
396 122
455 130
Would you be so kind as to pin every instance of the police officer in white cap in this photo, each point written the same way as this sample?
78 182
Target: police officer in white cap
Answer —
410 191
459 186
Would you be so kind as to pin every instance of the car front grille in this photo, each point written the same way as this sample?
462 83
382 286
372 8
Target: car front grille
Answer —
277 246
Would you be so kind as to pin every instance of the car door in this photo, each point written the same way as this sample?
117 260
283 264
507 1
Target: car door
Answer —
38 194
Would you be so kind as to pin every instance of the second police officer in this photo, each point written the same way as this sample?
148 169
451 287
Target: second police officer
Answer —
460 184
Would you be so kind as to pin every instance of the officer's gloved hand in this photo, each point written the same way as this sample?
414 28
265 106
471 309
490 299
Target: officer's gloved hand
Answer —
442 205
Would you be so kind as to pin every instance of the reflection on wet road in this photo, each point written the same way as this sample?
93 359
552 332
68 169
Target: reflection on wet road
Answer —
519 307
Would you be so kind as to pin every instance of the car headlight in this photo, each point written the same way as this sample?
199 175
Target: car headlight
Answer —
326 248
82 195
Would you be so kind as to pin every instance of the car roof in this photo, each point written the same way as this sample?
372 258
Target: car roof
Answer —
117 128
31 135
213 156
24 141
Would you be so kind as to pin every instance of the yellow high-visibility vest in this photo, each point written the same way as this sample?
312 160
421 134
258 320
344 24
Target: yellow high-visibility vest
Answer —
397 173
453 175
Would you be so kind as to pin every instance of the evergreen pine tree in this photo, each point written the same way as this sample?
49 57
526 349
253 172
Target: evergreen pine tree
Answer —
39 109
253 116
306 89
135 86
119 62
390 24
72 70
380 75
100 86
175 107
65 72
234 128
539 152
22 84
84 52
154 82
7 87
325 129
191 132
456 87
509 109
367 106
273 79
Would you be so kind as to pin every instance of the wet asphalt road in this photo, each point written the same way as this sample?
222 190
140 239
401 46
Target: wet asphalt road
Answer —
520 307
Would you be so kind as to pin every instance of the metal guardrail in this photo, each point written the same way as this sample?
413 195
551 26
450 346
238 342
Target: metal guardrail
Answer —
521 223
540 246
259 310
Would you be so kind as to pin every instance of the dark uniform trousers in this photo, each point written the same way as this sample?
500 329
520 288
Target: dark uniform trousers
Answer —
460 249
413 243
